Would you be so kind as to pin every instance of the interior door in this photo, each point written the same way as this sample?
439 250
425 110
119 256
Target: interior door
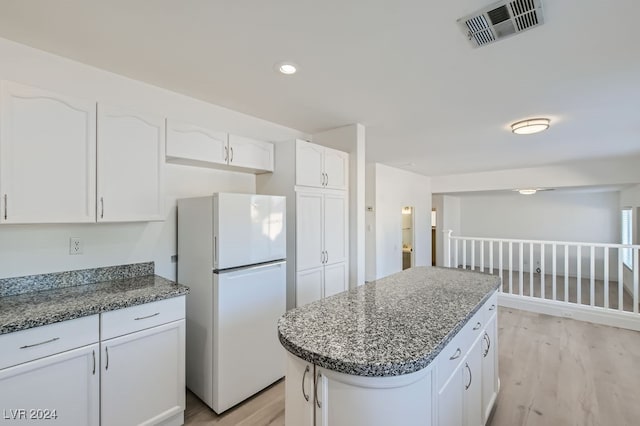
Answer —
247 305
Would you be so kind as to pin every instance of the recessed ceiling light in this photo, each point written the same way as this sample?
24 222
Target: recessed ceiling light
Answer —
287 68
530 126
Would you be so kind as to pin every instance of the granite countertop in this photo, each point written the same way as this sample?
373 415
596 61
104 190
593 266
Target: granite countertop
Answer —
33 309
393 326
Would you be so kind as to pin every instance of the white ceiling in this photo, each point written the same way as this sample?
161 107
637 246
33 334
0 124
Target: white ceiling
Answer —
430 103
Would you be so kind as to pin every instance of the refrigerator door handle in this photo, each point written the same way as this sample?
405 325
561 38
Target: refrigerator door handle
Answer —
251 268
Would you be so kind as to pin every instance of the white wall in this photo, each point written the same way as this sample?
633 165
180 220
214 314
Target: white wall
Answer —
630 197
351 139
33 249
585 173
552 216
394 189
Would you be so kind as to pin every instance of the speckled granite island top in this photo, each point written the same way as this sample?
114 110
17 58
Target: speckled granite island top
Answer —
392 326
60 297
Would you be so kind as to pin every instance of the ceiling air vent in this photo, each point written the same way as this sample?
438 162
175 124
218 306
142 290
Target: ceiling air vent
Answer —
500 20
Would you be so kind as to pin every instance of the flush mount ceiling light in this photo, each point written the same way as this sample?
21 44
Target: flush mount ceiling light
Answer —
527 191
287 68
530 126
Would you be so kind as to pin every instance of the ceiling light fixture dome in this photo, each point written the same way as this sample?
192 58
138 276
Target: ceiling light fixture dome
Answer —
527 191
530 126
287 68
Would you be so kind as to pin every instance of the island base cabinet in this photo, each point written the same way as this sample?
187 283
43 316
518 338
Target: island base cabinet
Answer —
344 400
58 389
142 377
489 368
298 388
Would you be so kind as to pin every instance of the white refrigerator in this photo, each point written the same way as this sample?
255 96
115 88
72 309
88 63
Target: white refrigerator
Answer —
232 255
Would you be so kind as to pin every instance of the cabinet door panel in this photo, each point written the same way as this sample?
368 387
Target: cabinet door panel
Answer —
336 227
309 164
47 157
192 143
298 392
142 376
309 230
250 153
335 279
489 367
472 373
309 286
130 160
67 383
336 167
450 404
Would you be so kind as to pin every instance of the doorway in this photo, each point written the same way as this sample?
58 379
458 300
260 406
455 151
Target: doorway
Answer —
407 237
433 237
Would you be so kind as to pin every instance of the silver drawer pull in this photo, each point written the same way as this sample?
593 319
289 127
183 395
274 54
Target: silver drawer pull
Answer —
456 355
41 343
492 307
148 316
478 325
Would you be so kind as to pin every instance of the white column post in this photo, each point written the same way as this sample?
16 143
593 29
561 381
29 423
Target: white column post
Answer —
447 250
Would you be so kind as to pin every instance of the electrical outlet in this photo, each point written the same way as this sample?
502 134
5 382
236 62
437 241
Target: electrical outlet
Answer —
75 245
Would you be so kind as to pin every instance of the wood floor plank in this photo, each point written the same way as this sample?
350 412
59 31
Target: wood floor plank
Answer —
553 372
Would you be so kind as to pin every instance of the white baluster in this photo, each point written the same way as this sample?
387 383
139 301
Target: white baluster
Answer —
464 254
554 269
510 267
481 256
592 273
521 267
606 277
579 273
500 268
566 272
542 271
455 255
620 280
635 281
531 269
491 257
473 255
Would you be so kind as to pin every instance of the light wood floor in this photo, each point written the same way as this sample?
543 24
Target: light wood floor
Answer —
553 372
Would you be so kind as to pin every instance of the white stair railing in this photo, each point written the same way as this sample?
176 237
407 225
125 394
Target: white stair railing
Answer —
577 273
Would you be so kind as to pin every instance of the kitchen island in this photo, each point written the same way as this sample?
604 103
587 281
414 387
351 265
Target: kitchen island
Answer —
416 348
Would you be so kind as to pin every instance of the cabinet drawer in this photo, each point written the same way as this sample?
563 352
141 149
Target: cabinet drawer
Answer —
38 342
453 354
128 320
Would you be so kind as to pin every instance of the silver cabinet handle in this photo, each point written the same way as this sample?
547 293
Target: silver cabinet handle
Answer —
148 316
101 208
231 159
456 355
488 340
478 325
318 377
5 206
226 154
41 343
94 362
327 182
106 351
327 259
470 376
306 396
492 307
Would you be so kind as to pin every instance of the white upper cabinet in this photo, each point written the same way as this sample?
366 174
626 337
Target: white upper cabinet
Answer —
190 144
336 166
250 153
47 157
309 164
130 166
321 167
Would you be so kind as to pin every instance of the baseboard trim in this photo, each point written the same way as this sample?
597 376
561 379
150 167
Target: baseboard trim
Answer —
610 317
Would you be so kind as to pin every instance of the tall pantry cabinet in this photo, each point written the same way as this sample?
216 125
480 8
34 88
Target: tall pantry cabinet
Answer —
314 179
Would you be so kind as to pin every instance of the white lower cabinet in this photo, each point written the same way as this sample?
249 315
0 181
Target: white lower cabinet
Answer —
142 377
450 399
57 389
63 373
472 400
299 392
490 383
